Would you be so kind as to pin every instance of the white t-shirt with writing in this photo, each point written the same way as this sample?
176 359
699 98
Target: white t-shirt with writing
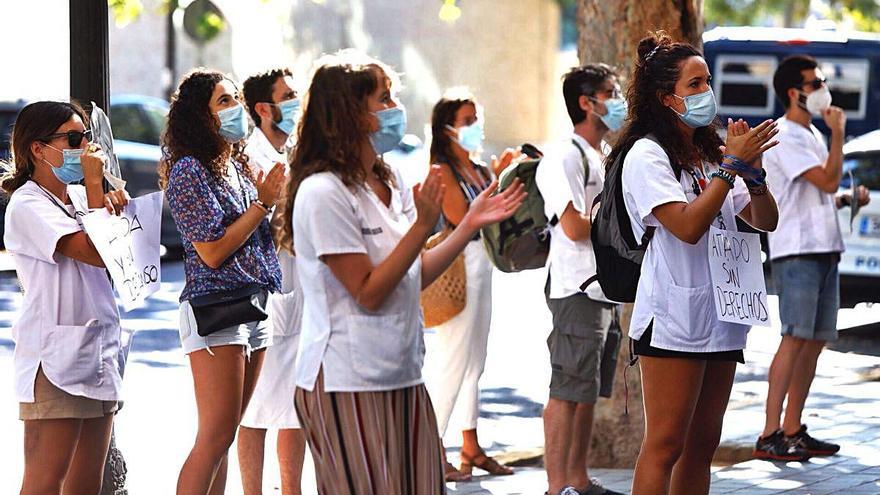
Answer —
69 322
359 350
675 287
807 215
561 180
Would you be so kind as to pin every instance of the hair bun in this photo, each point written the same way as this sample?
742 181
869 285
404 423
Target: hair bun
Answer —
649 45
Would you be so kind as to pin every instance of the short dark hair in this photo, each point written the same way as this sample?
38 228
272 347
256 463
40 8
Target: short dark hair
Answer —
788 75
580 81
258 89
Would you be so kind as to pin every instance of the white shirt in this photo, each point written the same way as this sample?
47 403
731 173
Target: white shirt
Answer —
560 179
807 215
69 322
675 287
358 350
262 153
285 307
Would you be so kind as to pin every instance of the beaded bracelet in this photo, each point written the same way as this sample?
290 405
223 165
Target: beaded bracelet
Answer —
723 175
758 190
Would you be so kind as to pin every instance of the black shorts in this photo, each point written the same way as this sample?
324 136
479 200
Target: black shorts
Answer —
643 347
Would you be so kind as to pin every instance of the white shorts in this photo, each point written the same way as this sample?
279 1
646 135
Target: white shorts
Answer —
252 336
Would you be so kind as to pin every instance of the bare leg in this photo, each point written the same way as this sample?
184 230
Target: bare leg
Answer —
291 455
799 387
558 420
691 474
582 429
86 472
779 379
49 446
251 450
670 389
219 385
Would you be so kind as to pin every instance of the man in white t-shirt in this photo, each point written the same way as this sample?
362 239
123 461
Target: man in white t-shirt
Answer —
804 175
586 336
274 107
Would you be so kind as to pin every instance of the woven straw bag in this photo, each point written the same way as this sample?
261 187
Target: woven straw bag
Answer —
447 295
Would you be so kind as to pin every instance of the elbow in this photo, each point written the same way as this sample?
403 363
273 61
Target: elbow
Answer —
212 262
370 304
692 237
830 187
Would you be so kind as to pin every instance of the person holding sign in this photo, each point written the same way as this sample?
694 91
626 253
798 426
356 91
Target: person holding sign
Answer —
274 107
69 347
679 179
804 252
221 206
359 237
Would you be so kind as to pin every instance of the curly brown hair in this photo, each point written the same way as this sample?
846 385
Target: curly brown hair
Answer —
192 128
334 126
657 68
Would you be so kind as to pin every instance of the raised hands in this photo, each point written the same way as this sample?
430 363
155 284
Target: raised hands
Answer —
269 185
488 209
749 144
428 197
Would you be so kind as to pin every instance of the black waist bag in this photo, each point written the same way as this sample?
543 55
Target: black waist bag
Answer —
229 308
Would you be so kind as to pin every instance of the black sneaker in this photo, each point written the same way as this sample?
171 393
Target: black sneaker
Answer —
596 488
778 447
813 446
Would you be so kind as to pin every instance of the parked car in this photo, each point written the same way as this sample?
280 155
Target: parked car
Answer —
138 122
860 263
743 59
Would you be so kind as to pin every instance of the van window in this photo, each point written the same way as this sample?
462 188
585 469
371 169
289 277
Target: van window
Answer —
848 82
743 84
865 168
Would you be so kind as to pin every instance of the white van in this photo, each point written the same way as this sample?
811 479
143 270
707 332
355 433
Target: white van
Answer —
860 263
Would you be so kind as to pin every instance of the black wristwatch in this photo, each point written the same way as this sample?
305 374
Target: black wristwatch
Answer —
264 206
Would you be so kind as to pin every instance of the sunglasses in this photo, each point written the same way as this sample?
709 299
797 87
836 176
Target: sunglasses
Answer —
74 138
815 83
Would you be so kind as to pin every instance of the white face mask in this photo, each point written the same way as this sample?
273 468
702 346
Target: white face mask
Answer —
818 101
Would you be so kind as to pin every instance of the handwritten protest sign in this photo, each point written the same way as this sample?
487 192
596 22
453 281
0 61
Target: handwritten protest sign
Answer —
740 292
129 246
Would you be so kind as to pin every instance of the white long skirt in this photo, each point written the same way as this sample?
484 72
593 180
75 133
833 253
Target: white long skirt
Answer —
456 355
271 406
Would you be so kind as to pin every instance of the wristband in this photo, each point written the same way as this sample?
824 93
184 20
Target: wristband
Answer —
723 175
740 167
262 206
758 190
758 180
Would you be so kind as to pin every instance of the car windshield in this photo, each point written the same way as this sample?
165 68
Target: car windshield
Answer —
865 168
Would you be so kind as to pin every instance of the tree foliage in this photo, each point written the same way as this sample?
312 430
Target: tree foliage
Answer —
862 13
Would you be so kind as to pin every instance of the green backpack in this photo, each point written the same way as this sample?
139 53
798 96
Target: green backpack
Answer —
522 242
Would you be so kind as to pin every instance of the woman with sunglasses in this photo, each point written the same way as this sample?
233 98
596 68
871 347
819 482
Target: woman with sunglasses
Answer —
69 349
221 208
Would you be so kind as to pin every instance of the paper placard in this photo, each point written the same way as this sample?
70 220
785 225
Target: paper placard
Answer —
738 285
129 246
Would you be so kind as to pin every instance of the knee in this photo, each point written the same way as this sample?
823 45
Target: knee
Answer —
662 450
216 441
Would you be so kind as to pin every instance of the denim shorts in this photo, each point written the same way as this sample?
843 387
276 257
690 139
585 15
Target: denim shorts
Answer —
809 295
251 336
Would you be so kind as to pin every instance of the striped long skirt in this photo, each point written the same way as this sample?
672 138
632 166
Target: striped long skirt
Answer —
372 443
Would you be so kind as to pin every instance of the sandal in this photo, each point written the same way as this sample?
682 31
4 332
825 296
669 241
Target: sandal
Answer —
485 463
450 474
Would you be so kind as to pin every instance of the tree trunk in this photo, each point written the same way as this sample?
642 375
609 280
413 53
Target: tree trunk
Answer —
610 32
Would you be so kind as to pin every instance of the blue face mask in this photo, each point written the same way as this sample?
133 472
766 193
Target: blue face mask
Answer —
615 113
290 112
233 125
469 137
71 169
392 126
700 109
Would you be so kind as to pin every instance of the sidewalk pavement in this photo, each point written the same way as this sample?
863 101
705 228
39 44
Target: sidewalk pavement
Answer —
157 425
